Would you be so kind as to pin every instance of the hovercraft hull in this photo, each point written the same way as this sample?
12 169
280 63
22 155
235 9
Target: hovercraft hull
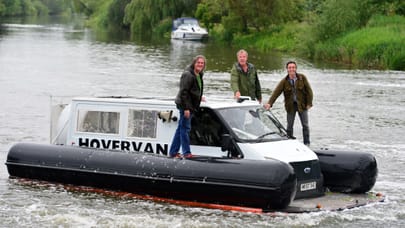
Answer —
348 171
267 184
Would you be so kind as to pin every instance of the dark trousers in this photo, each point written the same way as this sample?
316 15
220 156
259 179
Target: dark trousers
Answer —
304 122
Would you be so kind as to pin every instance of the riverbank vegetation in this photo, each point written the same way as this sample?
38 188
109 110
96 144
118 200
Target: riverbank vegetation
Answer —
359 33
10 8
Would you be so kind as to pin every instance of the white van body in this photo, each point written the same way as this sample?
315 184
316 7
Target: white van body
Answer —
221 128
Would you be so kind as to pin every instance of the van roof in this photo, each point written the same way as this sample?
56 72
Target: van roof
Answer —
165 101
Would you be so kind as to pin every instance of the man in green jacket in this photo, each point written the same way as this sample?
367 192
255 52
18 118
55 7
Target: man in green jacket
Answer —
297 98
244 79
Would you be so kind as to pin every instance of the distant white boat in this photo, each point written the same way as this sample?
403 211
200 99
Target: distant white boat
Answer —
186 28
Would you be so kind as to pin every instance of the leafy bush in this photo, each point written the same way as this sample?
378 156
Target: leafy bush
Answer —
398 62
341 16
378 45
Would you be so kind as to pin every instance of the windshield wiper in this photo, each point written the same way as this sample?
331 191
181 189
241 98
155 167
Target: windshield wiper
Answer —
266 134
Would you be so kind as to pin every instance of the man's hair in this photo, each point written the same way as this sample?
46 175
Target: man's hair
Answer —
242 51
195 59
290 62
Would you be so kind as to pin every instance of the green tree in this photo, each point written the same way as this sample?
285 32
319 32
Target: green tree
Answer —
144 16
116 13
247 16
33 7
388 7
210 12
13 7
56 6
2 8
340 16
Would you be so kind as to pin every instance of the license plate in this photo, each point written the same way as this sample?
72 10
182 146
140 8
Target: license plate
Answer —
308 186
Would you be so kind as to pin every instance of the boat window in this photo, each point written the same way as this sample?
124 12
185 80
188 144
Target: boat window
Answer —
184 21
142 123
190 21
98 122
206 128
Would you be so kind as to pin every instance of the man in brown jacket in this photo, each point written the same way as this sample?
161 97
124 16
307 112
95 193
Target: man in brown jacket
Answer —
297 98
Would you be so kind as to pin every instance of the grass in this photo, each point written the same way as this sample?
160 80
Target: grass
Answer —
381 45
284 38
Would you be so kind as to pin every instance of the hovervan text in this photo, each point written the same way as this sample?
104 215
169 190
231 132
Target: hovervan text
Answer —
124 145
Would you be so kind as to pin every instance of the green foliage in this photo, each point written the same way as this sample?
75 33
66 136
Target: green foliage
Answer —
164 28
210 12
379 20
99 9
338 17
41 8
398 62
232 25
2 8
33 7
144 16
247 16
327 51
240 18
361 32
116 13
285 38
388 7
380 44
13 7
56 7
80 7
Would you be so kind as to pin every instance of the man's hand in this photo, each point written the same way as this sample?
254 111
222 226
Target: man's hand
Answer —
267 106
186 114
237 95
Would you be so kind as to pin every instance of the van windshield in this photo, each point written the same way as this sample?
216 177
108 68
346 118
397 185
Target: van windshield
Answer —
252 123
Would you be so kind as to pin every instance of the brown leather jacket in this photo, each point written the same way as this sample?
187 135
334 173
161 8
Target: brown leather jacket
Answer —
303 92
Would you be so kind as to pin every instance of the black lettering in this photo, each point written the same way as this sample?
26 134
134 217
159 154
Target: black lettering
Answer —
85 143
115 144
94 143
148 148
105 144
162 149
125 145
137 148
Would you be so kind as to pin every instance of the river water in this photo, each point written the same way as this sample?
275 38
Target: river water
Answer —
353 110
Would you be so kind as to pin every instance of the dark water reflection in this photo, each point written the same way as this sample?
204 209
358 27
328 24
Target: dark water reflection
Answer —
353 110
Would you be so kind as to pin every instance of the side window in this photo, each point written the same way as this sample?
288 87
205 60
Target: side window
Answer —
98 122
206 129
142 123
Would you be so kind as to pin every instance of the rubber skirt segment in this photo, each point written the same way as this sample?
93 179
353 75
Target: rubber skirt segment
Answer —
348 171
268 184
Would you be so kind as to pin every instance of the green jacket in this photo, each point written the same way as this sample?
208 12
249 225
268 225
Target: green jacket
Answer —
246 83
303 91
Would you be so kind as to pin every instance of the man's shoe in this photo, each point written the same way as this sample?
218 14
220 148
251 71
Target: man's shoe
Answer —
291 137
177 155
188 155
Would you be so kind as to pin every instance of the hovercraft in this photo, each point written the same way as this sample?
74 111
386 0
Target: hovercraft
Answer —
242 154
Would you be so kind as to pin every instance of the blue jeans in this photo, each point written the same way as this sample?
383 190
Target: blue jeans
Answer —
181 136
304 122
